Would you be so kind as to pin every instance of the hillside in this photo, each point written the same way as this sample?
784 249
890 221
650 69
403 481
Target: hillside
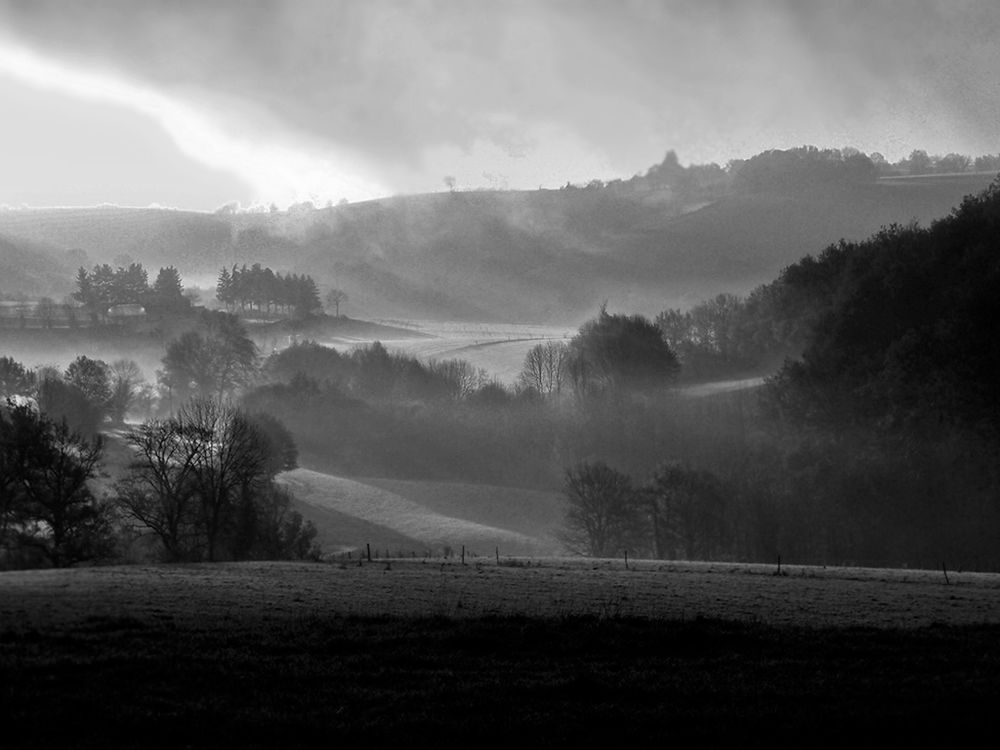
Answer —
413 517
540 256
33 269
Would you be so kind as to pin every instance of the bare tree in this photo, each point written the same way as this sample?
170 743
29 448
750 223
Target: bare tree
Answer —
604 514
202 482
545 368
229 457
159 491
462 378
335 298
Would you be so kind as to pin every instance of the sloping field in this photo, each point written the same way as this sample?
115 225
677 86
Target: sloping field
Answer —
387 510
531 512
339 532
498 348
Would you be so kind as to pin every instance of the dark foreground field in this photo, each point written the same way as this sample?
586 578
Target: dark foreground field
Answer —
425 654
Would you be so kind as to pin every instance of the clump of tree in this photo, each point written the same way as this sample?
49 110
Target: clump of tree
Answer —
801 167
15 378
729 335
86 394
617 354
262 289
202 483
105 287
212 361
546 369
903 329
681 513
48 514
373 372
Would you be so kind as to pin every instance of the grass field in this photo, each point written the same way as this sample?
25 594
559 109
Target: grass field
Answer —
497 348
429 653
417 516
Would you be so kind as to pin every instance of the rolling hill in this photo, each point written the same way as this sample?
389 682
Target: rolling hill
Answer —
406 516
542 256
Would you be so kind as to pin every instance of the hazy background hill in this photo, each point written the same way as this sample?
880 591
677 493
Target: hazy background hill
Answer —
538 256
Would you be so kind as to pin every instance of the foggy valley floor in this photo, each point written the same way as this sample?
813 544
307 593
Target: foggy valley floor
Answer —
551 650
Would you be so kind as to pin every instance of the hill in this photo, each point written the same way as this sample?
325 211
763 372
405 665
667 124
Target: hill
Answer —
539 256
414 517
33 269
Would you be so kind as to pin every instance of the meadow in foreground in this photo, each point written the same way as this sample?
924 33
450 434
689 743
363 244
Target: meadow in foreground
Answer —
544 650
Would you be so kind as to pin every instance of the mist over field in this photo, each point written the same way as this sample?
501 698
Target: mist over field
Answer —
528 370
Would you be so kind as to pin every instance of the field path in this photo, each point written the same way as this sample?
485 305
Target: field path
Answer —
410 519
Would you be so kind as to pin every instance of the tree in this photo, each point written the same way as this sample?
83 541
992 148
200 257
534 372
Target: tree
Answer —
85 293
335 298
64 401
159 491
618 353
545 368
93 378
604 513
687 508
230 456
283 454
213 363
15 378
203 483
46 467
307 300
953 163
167 293
15 441
224 287
460 377
125 379
919 162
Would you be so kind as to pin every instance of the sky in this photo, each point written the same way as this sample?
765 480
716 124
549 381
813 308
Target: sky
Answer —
198 103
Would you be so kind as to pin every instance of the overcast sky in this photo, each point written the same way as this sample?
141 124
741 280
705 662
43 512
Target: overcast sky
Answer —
195 103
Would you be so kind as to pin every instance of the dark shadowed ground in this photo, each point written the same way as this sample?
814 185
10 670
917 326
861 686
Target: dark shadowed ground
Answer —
413 653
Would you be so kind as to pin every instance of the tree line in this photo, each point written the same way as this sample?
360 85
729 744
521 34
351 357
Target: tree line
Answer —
793 168
261 288
105 287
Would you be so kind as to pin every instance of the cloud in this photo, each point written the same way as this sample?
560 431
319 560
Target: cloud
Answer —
540 91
